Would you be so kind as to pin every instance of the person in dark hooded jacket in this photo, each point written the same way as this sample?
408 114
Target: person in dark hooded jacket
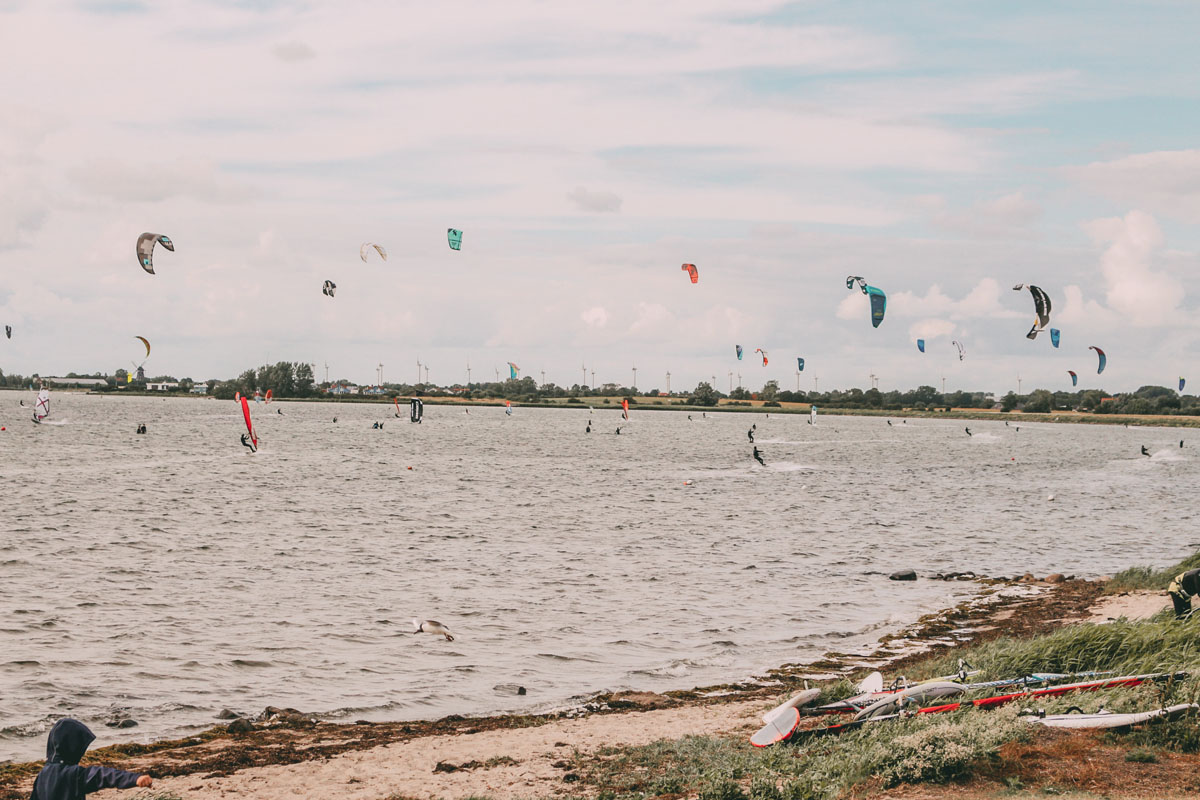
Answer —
63 779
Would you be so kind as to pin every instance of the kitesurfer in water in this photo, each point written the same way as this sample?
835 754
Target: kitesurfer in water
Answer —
689 417
1181 590
968 430
618 431
279 411
1145 452
889 423
141 428
1181 443
249 445
750 433
589 427
757 454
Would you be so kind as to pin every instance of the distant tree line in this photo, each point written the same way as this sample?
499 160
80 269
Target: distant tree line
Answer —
288 379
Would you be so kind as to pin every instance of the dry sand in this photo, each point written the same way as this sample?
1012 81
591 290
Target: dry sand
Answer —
407 768
1131 605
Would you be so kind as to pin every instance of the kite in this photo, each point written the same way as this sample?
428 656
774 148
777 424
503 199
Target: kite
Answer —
1103 358
799 364
1041 307
364 250
878 298
738 347
454 238
329 288
1074 377
692 272
145 249
416 409
961 350
8 331
1182 382
513 370
145 342
764 352
921 345
1054 336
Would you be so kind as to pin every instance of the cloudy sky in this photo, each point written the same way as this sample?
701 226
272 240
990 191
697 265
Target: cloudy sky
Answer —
943 150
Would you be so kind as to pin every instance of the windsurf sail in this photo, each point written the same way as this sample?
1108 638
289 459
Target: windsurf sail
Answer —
812 415
269 397
416 409
41 409
625 407
249 424
513 370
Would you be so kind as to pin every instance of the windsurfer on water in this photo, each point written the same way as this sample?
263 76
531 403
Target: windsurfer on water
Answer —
249 445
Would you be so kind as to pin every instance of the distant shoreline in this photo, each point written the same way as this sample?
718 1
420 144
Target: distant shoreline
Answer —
643 403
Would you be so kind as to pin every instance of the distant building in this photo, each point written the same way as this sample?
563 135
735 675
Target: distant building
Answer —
374 390
199 388
161 387
343 388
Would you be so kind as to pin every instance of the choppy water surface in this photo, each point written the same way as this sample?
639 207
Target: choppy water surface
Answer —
171 575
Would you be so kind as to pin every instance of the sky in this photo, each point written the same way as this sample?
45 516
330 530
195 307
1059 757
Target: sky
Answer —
945 151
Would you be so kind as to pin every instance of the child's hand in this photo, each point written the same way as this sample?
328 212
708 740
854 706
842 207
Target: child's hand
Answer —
145 782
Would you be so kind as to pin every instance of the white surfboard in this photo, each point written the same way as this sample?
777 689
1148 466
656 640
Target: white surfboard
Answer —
778 729
795 701
1105 719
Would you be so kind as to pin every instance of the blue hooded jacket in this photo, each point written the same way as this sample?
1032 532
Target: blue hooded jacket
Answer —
62 778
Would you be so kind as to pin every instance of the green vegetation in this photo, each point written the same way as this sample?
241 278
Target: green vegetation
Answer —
1148 577
934 748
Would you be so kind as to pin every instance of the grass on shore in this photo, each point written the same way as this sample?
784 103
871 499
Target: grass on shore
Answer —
1136 578
935 748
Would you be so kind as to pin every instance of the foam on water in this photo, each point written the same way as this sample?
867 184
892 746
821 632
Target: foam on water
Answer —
168 576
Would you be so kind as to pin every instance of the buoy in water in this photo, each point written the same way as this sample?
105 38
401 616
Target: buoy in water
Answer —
410 467
688 483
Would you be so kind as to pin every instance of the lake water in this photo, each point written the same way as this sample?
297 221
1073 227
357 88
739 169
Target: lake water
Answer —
168 576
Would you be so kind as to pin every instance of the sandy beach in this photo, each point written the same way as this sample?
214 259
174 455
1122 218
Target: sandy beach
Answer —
534 757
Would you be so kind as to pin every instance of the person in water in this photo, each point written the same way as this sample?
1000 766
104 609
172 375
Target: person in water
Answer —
1145 452
589 427
63 779
750 433
889 423
968 430
618 431
249 445
1181 590
758 456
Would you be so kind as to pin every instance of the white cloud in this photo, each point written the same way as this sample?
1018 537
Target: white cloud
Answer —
930 329
1005 216
595 317
293 51
1166 182
595 202
1140 294
147 182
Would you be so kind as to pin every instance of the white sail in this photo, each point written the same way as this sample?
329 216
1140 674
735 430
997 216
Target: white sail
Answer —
812 415
41 409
